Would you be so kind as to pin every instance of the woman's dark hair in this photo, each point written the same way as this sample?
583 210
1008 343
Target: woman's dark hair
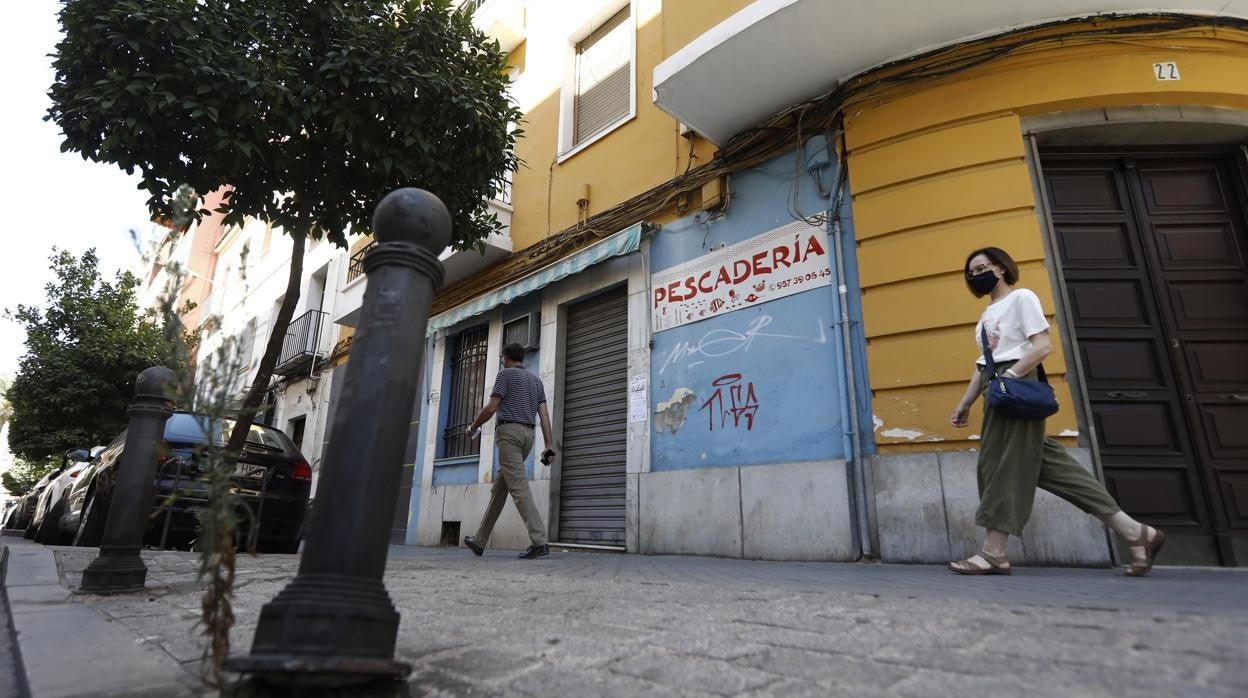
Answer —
514 351
997 256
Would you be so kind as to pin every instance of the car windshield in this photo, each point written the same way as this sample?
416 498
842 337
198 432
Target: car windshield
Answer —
191 428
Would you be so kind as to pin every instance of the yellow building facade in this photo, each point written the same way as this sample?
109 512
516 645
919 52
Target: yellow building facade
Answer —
1065 132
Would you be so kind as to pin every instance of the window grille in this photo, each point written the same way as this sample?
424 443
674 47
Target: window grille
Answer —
603 90
467 392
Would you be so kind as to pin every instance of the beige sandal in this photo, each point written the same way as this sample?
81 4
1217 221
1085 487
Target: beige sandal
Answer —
1151 548
996 565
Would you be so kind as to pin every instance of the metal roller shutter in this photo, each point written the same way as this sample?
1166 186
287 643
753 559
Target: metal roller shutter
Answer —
595 404
603 78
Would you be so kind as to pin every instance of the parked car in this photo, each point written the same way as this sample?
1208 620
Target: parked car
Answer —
44 525
25 509
272 480
6 510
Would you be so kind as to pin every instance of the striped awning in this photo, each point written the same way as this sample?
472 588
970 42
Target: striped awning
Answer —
623 242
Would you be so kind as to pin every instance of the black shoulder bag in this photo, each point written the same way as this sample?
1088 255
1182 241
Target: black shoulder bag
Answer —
1016 398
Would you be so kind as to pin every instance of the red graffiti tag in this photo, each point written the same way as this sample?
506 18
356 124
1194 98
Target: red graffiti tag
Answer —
742 402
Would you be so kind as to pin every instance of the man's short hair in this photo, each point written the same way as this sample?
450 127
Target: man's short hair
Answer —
514 352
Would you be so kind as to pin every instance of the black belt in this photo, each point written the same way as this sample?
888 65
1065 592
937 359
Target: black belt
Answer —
501 422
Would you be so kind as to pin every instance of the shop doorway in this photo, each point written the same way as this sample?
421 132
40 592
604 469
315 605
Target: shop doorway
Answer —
592 482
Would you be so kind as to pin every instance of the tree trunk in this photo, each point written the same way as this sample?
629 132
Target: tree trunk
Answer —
272 350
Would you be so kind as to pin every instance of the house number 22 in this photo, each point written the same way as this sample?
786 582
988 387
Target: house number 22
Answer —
1167 70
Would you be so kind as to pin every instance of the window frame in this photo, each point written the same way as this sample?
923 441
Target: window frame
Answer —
456 415
567 147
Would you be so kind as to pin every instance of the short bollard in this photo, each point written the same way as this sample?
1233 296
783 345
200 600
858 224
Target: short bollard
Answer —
334 623
119 569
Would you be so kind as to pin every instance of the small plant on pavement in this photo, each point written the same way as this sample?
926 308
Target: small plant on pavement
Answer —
212 393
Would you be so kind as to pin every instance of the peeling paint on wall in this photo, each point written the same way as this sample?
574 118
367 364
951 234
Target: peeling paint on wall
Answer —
877 422
896 433
1068 432
671 414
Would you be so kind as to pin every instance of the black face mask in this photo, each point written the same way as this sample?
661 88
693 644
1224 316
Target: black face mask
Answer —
984 282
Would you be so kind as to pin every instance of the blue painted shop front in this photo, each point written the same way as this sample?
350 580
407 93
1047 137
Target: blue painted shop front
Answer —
765 383
748 426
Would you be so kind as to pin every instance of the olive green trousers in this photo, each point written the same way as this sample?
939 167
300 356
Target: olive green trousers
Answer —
1015 457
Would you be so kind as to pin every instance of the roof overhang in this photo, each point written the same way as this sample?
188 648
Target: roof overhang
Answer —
460 264
456 266
775 53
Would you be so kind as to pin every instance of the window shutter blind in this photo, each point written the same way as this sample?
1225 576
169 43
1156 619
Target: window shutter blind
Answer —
603 76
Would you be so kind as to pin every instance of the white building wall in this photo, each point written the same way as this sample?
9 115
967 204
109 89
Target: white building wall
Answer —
251 277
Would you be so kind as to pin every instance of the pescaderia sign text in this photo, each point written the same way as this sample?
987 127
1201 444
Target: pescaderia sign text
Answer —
788 260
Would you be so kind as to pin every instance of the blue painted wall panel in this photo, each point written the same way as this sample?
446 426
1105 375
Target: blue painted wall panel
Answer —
766 383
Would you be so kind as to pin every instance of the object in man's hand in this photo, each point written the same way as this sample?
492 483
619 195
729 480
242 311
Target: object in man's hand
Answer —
548 456
476 434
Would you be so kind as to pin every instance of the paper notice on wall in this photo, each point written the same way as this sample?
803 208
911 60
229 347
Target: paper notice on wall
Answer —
638 399
781 262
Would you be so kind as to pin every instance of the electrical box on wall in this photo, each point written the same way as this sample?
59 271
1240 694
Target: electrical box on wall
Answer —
525 330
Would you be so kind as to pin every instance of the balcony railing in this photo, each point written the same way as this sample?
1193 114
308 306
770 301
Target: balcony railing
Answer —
503 194
356 267
302 344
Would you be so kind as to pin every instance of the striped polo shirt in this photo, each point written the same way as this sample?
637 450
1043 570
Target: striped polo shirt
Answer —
521 393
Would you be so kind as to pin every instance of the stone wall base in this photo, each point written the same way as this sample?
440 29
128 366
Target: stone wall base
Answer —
790 511
925 513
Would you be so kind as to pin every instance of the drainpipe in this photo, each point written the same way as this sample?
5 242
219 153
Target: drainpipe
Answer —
858 467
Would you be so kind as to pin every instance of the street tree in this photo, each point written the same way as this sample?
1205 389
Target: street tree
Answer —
6 410
307 113
83 351
23 475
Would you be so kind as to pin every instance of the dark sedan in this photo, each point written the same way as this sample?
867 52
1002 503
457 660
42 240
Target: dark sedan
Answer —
272 480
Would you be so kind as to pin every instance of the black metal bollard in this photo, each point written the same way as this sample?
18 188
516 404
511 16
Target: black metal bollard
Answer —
118 568
334 623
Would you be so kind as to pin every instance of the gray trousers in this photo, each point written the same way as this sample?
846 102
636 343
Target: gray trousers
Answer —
514 441
1015 457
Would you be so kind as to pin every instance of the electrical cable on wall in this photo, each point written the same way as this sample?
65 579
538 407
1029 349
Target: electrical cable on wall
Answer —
755 145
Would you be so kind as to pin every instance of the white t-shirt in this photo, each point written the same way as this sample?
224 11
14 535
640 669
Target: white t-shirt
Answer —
1010 321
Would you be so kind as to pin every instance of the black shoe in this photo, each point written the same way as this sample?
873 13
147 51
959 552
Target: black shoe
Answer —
472 545
535 551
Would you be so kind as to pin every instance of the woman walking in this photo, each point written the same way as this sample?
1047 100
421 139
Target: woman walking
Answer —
1015 456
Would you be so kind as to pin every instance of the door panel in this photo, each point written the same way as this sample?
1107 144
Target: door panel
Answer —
1195 188
1236 494
1122 363
1104 303
1162 495
1158 288
1205 246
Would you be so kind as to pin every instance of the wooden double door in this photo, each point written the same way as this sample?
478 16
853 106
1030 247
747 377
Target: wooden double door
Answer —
1154 253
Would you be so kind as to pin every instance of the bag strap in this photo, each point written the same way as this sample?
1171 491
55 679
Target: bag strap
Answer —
987 349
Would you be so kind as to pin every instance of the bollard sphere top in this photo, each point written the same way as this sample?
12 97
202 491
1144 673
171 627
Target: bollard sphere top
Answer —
414 216
153 382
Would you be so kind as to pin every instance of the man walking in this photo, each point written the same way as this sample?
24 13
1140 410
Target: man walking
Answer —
517 396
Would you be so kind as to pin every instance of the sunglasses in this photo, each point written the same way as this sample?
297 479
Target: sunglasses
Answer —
979 269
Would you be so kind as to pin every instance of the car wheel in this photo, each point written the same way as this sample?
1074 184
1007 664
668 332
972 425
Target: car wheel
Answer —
94 515
49 532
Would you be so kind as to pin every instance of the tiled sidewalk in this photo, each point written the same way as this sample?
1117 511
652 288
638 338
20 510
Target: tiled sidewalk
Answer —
584 624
